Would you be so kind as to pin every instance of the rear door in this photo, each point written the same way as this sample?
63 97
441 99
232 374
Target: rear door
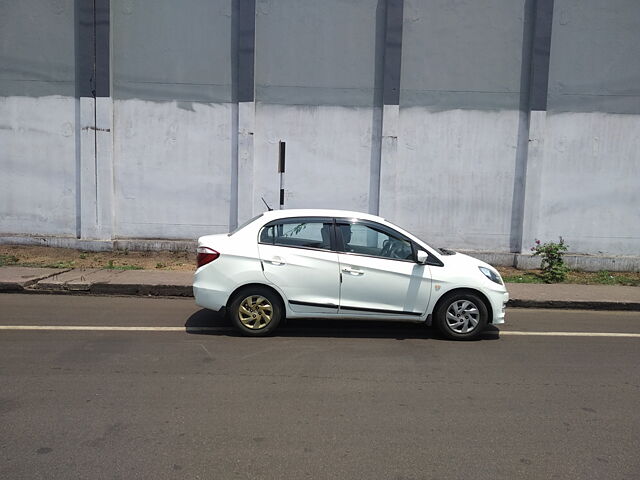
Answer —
379 274
298 255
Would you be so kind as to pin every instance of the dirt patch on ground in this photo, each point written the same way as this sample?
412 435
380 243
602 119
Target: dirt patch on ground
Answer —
117 260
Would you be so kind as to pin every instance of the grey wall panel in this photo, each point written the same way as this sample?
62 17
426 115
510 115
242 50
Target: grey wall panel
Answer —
462 54
167 50
595 56
37 48
318 53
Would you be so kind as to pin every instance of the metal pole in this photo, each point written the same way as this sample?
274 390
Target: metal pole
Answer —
281 158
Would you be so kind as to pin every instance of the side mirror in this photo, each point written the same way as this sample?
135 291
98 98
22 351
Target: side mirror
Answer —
422 257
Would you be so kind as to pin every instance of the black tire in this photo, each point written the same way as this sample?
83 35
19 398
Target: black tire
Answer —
454 313
249 309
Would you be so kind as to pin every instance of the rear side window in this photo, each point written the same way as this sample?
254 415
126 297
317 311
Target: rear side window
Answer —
300 233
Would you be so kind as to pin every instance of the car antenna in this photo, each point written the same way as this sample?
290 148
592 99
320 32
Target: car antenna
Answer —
265 202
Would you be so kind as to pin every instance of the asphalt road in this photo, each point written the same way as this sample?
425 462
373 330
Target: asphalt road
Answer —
320 400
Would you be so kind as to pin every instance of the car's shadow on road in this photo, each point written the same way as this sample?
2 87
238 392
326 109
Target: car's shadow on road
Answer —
207 322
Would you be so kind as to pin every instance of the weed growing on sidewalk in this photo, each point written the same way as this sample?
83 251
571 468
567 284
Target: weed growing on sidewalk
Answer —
110 266
554 269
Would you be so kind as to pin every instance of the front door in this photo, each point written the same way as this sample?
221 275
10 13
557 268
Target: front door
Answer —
379 274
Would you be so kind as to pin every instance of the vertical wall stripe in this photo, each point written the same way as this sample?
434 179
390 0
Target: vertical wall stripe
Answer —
534 73
388 56
92 48
540 54
392 52
102 28
246 49
84 44
524 118
243 37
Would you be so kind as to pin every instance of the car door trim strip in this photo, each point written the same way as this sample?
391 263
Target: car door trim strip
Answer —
379 310
311 304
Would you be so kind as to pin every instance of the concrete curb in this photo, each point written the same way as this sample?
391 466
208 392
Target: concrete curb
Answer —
574 305
141 290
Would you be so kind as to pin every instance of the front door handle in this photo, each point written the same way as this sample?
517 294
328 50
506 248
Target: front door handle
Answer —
353 271
276 261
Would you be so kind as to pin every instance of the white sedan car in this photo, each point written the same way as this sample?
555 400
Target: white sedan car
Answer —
339 264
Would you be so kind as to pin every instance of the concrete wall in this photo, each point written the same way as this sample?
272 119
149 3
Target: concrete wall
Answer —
37 118
587 165
318 94
458 122
172 110
479 125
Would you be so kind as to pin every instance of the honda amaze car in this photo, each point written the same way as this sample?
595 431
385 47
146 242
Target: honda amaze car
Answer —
338 264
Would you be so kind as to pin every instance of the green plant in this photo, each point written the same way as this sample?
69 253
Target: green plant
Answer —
554 269
160 265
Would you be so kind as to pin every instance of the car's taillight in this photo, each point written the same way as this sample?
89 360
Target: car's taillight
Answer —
206 255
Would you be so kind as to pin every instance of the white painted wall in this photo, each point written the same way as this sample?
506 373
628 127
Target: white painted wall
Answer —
585 181
164 170
452 182
328 156
171 168
38 165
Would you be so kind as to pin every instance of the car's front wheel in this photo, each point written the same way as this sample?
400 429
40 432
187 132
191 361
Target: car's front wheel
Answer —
461 316
255 311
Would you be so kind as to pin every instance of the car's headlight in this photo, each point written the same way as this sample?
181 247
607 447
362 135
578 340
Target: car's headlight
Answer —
491 275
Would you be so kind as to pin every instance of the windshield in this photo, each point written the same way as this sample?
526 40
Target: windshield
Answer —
240 227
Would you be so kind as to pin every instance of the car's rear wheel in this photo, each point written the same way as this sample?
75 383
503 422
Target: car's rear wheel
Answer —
255 311
461 316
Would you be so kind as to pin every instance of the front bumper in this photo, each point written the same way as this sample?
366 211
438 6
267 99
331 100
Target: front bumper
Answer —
498 301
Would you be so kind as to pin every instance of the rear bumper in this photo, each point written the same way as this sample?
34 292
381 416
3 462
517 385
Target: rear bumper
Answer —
208 298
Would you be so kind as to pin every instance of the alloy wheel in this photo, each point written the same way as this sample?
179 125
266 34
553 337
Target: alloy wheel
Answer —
255 312
462 316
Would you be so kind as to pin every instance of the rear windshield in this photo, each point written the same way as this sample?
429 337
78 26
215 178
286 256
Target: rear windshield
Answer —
240 227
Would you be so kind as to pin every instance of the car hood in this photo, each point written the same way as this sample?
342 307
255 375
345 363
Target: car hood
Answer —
460 260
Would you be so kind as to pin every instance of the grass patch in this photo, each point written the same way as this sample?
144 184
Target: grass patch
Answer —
6 260
603 277
111 266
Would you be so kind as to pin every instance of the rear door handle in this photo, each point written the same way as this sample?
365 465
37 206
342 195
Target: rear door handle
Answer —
276 261
353 271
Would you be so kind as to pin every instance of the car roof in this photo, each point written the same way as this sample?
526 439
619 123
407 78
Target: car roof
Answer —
318 212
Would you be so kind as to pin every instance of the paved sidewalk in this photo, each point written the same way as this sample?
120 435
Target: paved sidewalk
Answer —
565 295
171 283
96 281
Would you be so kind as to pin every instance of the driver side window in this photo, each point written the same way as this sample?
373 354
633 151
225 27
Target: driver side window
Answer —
367 240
